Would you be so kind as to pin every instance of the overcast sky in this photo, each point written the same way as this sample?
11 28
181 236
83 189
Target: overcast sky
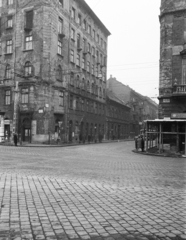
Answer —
133 47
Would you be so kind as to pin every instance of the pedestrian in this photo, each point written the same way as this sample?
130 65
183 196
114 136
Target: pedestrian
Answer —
15 139
142 144
139 142
136 142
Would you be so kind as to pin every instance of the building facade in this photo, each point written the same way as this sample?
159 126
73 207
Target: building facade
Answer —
172 84
142 107
117 118
53 57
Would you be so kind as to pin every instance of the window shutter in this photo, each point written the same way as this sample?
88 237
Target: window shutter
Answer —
29 19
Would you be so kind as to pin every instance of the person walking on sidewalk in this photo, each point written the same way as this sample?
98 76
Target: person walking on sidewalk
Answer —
136 142
142 144
15 139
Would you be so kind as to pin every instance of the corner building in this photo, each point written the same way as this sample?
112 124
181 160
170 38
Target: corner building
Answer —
172 84
53 70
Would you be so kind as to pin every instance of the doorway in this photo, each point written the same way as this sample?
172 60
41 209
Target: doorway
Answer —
26 134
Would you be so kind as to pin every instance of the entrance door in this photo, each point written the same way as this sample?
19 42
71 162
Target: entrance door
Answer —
26 135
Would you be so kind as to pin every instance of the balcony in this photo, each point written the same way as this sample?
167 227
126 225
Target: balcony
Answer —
179 90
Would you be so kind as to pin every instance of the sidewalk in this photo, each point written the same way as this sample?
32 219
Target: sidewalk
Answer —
61 144
152 152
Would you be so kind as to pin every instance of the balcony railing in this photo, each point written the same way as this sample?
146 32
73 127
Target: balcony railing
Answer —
179 89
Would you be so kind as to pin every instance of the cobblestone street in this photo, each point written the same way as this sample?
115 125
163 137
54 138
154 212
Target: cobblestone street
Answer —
99 191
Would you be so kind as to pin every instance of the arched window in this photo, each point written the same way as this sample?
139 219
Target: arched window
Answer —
8 73
28 69
59 73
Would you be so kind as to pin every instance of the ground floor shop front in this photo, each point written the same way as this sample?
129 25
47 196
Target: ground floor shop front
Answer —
166 135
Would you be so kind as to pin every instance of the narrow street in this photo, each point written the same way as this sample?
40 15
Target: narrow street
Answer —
97 191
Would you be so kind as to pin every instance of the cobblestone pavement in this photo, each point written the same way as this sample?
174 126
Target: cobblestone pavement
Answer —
100 191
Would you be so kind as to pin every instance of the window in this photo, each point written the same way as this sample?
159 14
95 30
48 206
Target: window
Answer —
93 51
71 101
83 83
60 26
84 44
8 74
89 48
93 33
10 2
78 41
84 24
0 28
61 2
0 48
59 47
28 69
9 46
29 20
73 13
183 72
88 86
83 62
61 98
89 29
79 19
59 73
72 34
77 81
88 66
92 69
87 105
72 56
78 60
82 105
24 95
77 103
72 78
97 38
105 45
101 42
28 42
7 97
9 22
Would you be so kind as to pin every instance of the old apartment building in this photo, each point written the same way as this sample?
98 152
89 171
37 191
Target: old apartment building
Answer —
117 117
172 85
53 61
141 107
